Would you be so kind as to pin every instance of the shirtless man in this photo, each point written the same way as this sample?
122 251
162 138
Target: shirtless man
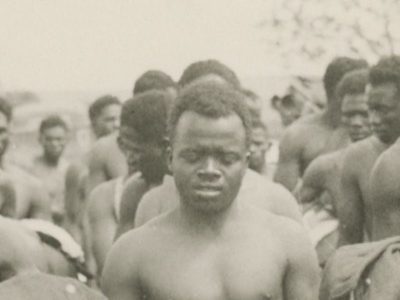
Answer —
142 138
106 160
32 200
383 199
104 115
212 246
50 166
323 174
152 204
317 134
356 215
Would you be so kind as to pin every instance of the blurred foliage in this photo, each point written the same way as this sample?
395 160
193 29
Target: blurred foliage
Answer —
317 30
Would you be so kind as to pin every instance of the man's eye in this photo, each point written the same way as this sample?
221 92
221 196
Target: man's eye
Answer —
191 156
229 158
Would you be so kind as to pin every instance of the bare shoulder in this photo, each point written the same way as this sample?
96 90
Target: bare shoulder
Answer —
100 197
135 181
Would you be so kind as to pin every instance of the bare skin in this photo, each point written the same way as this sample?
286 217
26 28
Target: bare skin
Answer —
355 215
106 162
305 140
323 174
32 199
384 109
133 193
212 246
103 218
53 178
230 269
75 182
256 190
384 195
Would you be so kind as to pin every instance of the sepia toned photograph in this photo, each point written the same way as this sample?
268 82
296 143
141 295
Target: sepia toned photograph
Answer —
200 150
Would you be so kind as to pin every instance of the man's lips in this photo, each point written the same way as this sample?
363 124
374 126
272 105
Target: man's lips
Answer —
208 190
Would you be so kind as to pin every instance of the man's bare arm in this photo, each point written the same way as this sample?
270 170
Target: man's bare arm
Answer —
384 195
102 225
121 278
350 211
74 196
302 274
289 166
134 189
313 184
96 173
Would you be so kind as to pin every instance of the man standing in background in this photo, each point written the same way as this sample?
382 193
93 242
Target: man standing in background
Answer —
50 166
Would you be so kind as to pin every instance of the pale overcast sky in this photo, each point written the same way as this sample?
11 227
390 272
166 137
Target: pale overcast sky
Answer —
104 44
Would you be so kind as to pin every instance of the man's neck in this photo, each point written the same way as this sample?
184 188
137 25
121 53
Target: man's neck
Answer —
207 223
50 160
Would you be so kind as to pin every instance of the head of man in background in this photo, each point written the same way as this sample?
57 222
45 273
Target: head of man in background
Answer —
383 99
104 115
354 108
209 70
143 133
259 133
155 80
53 134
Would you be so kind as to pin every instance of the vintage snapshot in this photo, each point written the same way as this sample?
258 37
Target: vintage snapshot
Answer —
200 150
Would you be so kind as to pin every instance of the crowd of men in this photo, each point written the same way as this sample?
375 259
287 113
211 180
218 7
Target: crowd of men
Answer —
174 199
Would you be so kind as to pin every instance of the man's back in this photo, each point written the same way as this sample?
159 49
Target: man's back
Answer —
385 194
355 214
256 190
302 142
106 161
247 260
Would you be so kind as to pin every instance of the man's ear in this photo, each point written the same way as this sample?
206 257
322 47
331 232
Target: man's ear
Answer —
168 156
119 142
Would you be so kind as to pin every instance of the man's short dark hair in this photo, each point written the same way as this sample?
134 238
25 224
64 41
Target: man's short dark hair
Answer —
6 109
96 108
387 70
153 80
147 113
353 83
211 100
51 122
208 67
336 69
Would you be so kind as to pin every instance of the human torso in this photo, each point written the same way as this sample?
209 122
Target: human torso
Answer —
319 139
241 265
53 180
331 178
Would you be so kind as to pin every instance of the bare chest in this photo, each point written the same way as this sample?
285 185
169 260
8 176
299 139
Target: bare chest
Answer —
246 271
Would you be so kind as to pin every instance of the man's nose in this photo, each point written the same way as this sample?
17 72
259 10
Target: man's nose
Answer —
356 121
209 170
